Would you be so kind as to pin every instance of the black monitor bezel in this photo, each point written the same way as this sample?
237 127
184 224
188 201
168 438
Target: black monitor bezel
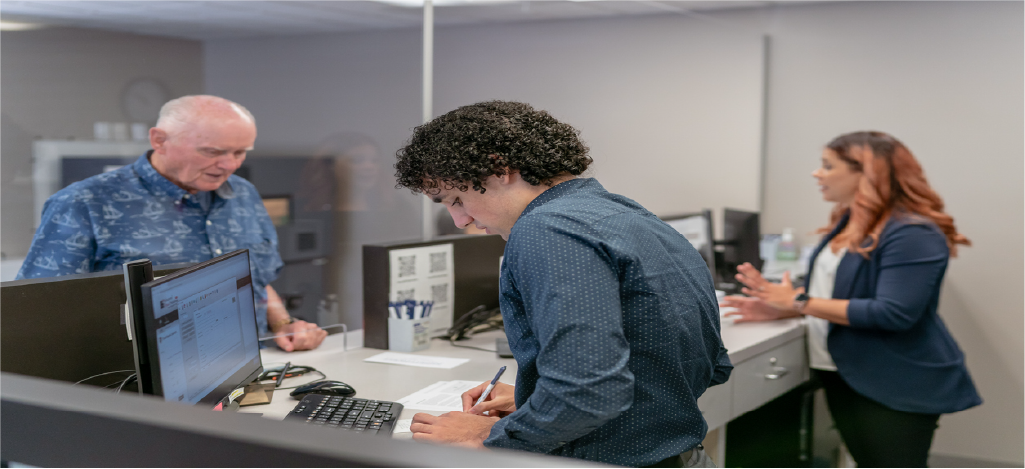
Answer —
742 233
247 374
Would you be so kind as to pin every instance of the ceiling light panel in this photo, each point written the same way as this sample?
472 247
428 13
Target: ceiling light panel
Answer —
203 20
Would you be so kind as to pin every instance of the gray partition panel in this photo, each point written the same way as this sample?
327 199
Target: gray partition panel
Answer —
49 423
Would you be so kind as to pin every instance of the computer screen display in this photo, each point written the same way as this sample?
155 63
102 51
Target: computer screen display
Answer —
697 228
201 330
279 209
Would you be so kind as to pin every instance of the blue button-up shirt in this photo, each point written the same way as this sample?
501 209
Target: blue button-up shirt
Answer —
612 317
134 212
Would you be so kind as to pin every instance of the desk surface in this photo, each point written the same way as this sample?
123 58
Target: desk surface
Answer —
382 381
393 382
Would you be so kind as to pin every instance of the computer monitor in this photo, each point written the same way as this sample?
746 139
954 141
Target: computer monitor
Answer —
741 244
200 327
697 228
68 328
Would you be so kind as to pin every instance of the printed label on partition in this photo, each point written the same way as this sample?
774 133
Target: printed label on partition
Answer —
424 274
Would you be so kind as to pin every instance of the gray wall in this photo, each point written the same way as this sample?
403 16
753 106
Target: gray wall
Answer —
315 96
663 102
601 76
945 77
56 83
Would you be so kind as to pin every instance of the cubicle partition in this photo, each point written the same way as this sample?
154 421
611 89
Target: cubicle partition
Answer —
476 265
52 424
67 328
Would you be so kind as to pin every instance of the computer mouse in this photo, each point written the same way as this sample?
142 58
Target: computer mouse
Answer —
327 387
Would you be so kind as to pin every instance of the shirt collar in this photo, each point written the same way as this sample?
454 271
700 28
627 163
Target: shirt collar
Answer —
559 190
161 185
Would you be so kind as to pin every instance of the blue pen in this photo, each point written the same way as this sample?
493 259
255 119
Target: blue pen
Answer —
491 386
410 306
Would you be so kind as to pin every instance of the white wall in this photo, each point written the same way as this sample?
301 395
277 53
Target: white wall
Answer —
56 83
947 79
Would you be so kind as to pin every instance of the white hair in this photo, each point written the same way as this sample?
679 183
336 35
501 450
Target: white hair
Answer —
177 112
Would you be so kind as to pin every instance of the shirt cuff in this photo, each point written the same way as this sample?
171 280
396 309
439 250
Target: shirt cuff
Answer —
858 314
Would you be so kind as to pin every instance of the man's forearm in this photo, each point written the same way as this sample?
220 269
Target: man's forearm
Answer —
277 315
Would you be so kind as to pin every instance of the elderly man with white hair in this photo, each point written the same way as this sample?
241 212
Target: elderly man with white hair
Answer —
179 202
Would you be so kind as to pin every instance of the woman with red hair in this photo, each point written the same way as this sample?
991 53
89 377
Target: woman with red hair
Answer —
887 362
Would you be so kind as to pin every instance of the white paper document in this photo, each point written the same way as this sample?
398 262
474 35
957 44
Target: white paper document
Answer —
408 359
443 396
424 274
402 426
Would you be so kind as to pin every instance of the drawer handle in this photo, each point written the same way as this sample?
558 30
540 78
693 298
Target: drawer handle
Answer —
777 372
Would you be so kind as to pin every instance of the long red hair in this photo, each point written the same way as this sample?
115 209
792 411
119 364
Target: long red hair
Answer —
893 181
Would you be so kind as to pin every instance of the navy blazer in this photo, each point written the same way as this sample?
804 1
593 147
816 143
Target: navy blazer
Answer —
896 350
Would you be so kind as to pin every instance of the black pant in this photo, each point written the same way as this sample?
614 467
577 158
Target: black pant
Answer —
876 435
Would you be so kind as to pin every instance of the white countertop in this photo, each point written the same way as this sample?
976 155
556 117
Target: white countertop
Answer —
748 339
393 382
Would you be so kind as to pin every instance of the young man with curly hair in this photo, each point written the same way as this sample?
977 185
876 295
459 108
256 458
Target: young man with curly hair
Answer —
610 313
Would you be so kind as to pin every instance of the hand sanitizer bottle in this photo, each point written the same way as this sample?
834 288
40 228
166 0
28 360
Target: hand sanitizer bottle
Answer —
787 249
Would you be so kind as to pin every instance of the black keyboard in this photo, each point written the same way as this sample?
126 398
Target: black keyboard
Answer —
348 413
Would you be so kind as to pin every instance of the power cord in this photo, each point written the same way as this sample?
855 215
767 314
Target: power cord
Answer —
102 374
293 371
131 379
477 320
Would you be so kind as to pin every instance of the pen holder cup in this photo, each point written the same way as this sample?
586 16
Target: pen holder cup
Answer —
409 335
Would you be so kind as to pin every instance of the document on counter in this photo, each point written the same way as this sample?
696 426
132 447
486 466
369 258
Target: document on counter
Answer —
402 426
407 359
443 396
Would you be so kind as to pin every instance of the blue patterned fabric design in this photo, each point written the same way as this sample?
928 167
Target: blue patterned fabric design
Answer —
134 212
612 317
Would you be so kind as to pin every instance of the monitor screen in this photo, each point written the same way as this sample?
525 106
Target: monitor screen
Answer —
201 330
742 233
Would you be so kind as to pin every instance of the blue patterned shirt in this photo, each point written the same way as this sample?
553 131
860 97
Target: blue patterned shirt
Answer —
612 317
134 212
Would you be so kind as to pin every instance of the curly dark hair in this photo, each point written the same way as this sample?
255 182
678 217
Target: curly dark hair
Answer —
464 147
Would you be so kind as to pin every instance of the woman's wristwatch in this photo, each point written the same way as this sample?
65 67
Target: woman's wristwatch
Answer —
800 301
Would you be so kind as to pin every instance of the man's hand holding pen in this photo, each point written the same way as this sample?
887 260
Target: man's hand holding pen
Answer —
470 427
501 401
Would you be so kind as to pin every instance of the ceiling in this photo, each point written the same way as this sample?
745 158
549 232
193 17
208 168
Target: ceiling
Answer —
208 20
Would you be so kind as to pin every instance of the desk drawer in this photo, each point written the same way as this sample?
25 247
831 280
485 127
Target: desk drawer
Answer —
715 404
768 375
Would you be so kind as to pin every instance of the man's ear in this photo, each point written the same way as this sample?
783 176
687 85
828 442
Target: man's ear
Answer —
157 139
511 176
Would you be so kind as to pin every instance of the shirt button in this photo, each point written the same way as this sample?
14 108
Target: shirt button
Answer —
208 223
217 251
187 196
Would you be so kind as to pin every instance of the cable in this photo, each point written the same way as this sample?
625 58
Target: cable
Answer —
102 374
322 376
301 369
126 381
454 344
